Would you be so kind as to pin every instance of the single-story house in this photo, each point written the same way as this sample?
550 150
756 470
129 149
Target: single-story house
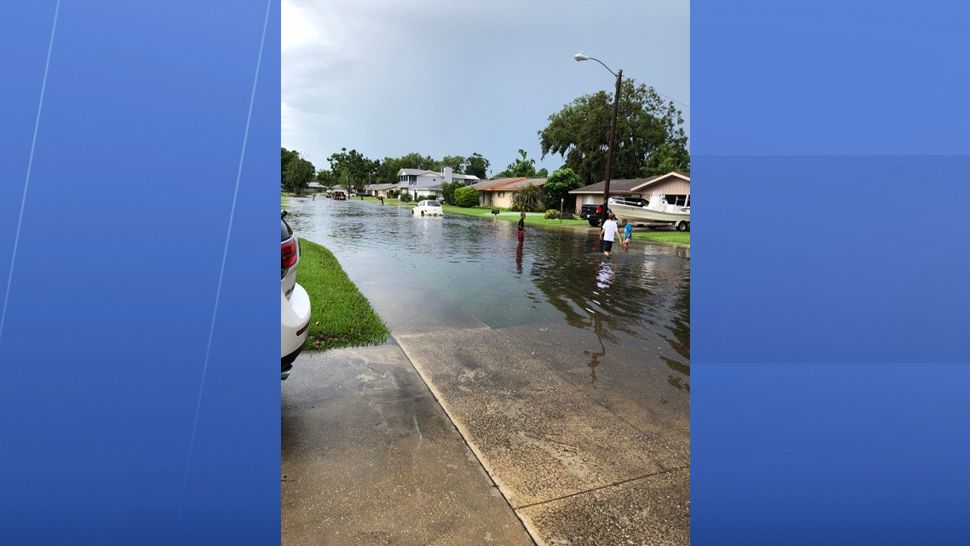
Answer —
378 190
499 192
420 182
316 186
674 185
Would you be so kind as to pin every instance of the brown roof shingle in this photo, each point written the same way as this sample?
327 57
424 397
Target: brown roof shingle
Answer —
509 184
624 185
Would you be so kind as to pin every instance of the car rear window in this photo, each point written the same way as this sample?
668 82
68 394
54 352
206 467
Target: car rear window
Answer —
285 231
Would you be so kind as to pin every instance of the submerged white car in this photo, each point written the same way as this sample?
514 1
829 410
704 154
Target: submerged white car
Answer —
294 301
428 208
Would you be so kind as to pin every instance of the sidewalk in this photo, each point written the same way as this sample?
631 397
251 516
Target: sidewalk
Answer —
369 457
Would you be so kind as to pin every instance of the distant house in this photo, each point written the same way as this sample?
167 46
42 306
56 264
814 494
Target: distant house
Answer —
499 192
378 190
316 186
420 182
674 185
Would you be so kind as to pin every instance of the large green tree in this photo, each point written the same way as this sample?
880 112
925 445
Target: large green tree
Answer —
477 165
650 135
285 157
352 168
557 187
456 162
521 166
388 168
297 174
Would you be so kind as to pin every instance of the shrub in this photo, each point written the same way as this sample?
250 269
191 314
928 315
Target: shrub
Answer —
466 196
406 197
495 210
528 199
552 214
393 193
448 191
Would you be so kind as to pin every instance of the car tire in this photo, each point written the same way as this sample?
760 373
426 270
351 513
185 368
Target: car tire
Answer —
422 213
683 226
594 222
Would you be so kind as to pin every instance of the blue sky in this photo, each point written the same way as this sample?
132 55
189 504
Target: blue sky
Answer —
455 77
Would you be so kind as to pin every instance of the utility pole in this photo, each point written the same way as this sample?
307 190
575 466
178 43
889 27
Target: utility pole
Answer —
580 57
611 152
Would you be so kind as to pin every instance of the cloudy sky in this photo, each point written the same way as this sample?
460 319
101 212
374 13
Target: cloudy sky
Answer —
455 77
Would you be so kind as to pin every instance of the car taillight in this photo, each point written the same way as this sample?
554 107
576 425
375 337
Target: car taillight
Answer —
599 210
288 254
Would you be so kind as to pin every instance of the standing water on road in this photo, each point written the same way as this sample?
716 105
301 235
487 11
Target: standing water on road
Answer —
604 321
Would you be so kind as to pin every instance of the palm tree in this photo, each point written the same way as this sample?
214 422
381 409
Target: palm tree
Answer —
528 199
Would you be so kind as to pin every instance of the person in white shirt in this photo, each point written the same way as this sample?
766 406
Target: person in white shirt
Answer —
609 232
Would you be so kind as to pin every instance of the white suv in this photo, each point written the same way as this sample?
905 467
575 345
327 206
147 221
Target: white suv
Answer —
294 301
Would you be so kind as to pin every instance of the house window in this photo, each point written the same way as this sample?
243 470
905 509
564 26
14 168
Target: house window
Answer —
501 194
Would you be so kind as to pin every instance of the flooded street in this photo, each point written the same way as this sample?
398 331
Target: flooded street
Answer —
566 373
632 300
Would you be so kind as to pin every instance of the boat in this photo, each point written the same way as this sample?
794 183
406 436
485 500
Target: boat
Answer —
655 212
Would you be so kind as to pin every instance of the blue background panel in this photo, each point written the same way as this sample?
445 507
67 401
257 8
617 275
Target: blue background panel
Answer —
114 286
830 297
821 453
829 77
831 259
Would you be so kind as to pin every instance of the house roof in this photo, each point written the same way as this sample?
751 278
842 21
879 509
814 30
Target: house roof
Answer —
491 185
508 184
629 185
378 187
418 172
415 172
662 177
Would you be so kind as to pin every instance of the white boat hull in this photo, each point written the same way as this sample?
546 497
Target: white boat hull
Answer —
633 213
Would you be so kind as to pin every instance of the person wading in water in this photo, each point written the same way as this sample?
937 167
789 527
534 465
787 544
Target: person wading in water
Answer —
520 233
609 233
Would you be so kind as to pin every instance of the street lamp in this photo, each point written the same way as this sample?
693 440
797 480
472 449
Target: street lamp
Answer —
609 155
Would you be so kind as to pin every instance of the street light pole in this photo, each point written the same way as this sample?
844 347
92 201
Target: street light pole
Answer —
611 150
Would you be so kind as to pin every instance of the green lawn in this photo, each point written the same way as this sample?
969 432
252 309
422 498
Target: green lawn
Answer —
682 237
341 315
387 201
532 218
284 199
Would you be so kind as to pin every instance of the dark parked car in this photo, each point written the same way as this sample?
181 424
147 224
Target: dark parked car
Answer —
594 213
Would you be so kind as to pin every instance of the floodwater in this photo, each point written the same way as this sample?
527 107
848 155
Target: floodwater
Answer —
624 319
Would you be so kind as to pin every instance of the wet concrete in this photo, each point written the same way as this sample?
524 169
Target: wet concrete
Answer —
539 436
652 510
370 458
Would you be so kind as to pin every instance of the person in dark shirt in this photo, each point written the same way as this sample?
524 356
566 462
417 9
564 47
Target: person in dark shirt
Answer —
520 233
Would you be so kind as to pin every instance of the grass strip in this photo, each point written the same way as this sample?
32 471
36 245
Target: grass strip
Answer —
532 219
681 237
340 315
